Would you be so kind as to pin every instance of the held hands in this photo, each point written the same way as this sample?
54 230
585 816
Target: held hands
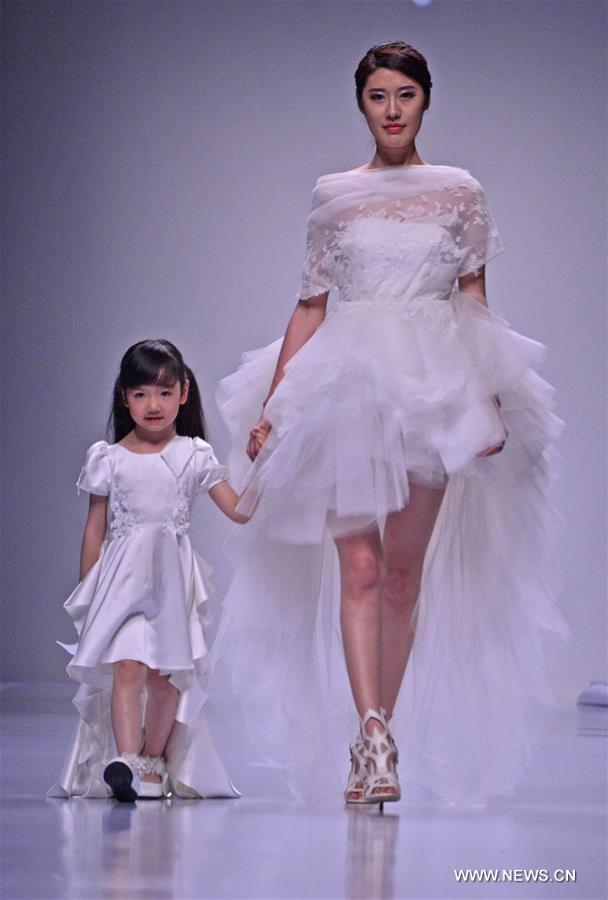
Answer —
492 451
257 436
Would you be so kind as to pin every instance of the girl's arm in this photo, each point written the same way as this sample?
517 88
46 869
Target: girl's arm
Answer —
304 321
94 533
226 498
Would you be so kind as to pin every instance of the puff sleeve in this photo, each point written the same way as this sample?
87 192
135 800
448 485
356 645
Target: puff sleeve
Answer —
209 471
478 238
96 476
318 274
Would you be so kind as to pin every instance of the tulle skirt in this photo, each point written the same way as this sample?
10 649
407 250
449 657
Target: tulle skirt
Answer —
376 400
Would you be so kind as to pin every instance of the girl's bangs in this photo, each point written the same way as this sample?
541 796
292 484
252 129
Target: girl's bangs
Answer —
149 367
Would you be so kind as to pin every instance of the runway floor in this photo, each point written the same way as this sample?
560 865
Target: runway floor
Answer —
273 849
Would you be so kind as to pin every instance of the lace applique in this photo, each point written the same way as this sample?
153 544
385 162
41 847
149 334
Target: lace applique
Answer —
178 520
477 236
123 519
398 246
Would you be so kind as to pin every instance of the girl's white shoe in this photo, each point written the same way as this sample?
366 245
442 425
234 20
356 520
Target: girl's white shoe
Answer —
154 790
122 777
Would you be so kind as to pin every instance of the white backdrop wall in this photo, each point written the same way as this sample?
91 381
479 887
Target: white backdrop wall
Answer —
158 164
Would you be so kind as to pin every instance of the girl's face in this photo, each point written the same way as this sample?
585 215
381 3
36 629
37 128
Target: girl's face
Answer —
154 407
393 106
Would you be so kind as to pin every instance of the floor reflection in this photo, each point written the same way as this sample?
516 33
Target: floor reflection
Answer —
264 846
150 848
370 858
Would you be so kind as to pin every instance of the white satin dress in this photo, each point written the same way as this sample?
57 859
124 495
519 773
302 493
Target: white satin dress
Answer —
146 598
396 387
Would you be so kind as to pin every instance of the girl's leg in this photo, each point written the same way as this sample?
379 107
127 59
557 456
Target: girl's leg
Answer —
362 575
129 677
161 707
406 537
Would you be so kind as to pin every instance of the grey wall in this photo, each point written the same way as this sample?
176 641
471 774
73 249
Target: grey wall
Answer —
159 159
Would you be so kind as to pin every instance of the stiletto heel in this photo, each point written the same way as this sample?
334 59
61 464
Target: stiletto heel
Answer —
381 758
355 786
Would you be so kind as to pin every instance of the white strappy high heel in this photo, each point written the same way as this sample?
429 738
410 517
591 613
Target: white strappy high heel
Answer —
382 783
357 778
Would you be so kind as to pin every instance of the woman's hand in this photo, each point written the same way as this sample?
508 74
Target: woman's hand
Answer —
491 451
257 436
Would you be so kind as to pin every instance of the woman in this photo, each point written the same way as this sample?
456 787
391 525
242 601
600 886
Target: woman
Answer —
382 431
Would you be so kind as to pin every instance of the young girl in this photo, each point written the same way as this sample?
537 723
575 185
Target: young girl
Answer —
141 603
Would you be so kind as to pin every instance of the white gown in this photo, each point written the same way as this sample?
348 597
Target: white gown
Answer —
146 599
396 386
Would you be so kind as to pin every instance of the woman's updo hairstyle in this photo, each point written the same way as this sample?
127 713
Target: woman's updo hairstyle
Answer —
394 55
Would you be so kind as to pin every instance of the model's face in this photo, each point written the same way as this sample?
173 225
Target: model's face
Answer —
154 407
393 105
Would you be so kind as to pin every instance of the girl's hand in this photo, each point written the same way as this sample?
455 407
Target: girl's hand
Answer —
257 437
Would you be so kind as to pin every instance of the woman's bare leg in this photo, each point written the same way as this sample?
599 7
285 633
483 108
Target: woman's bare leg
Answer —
406 537
161 707
129 677
362 575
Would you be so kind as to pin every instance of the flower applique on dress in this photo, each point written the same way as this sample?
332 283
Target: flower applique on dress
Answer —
123 518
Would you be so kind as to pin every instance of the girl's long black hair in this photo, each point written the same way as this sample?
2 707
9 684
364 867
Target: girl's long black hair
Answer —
156 362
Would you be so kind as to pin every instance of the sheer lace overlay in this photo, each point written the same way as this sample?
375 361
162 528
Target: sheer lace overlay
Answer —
386 236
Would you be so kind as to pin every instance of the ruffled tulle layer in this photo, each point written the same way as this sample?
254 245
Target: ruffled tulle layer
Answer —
192 760
374 401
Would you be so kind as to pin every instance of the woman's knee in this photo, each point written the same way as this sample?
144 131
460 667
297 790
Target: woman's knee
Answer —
362 570
402 582
130 673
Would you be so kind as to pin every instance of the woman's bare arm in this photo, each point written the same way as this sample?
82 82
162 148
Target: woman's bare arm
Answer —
475 283
304 321
94 533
